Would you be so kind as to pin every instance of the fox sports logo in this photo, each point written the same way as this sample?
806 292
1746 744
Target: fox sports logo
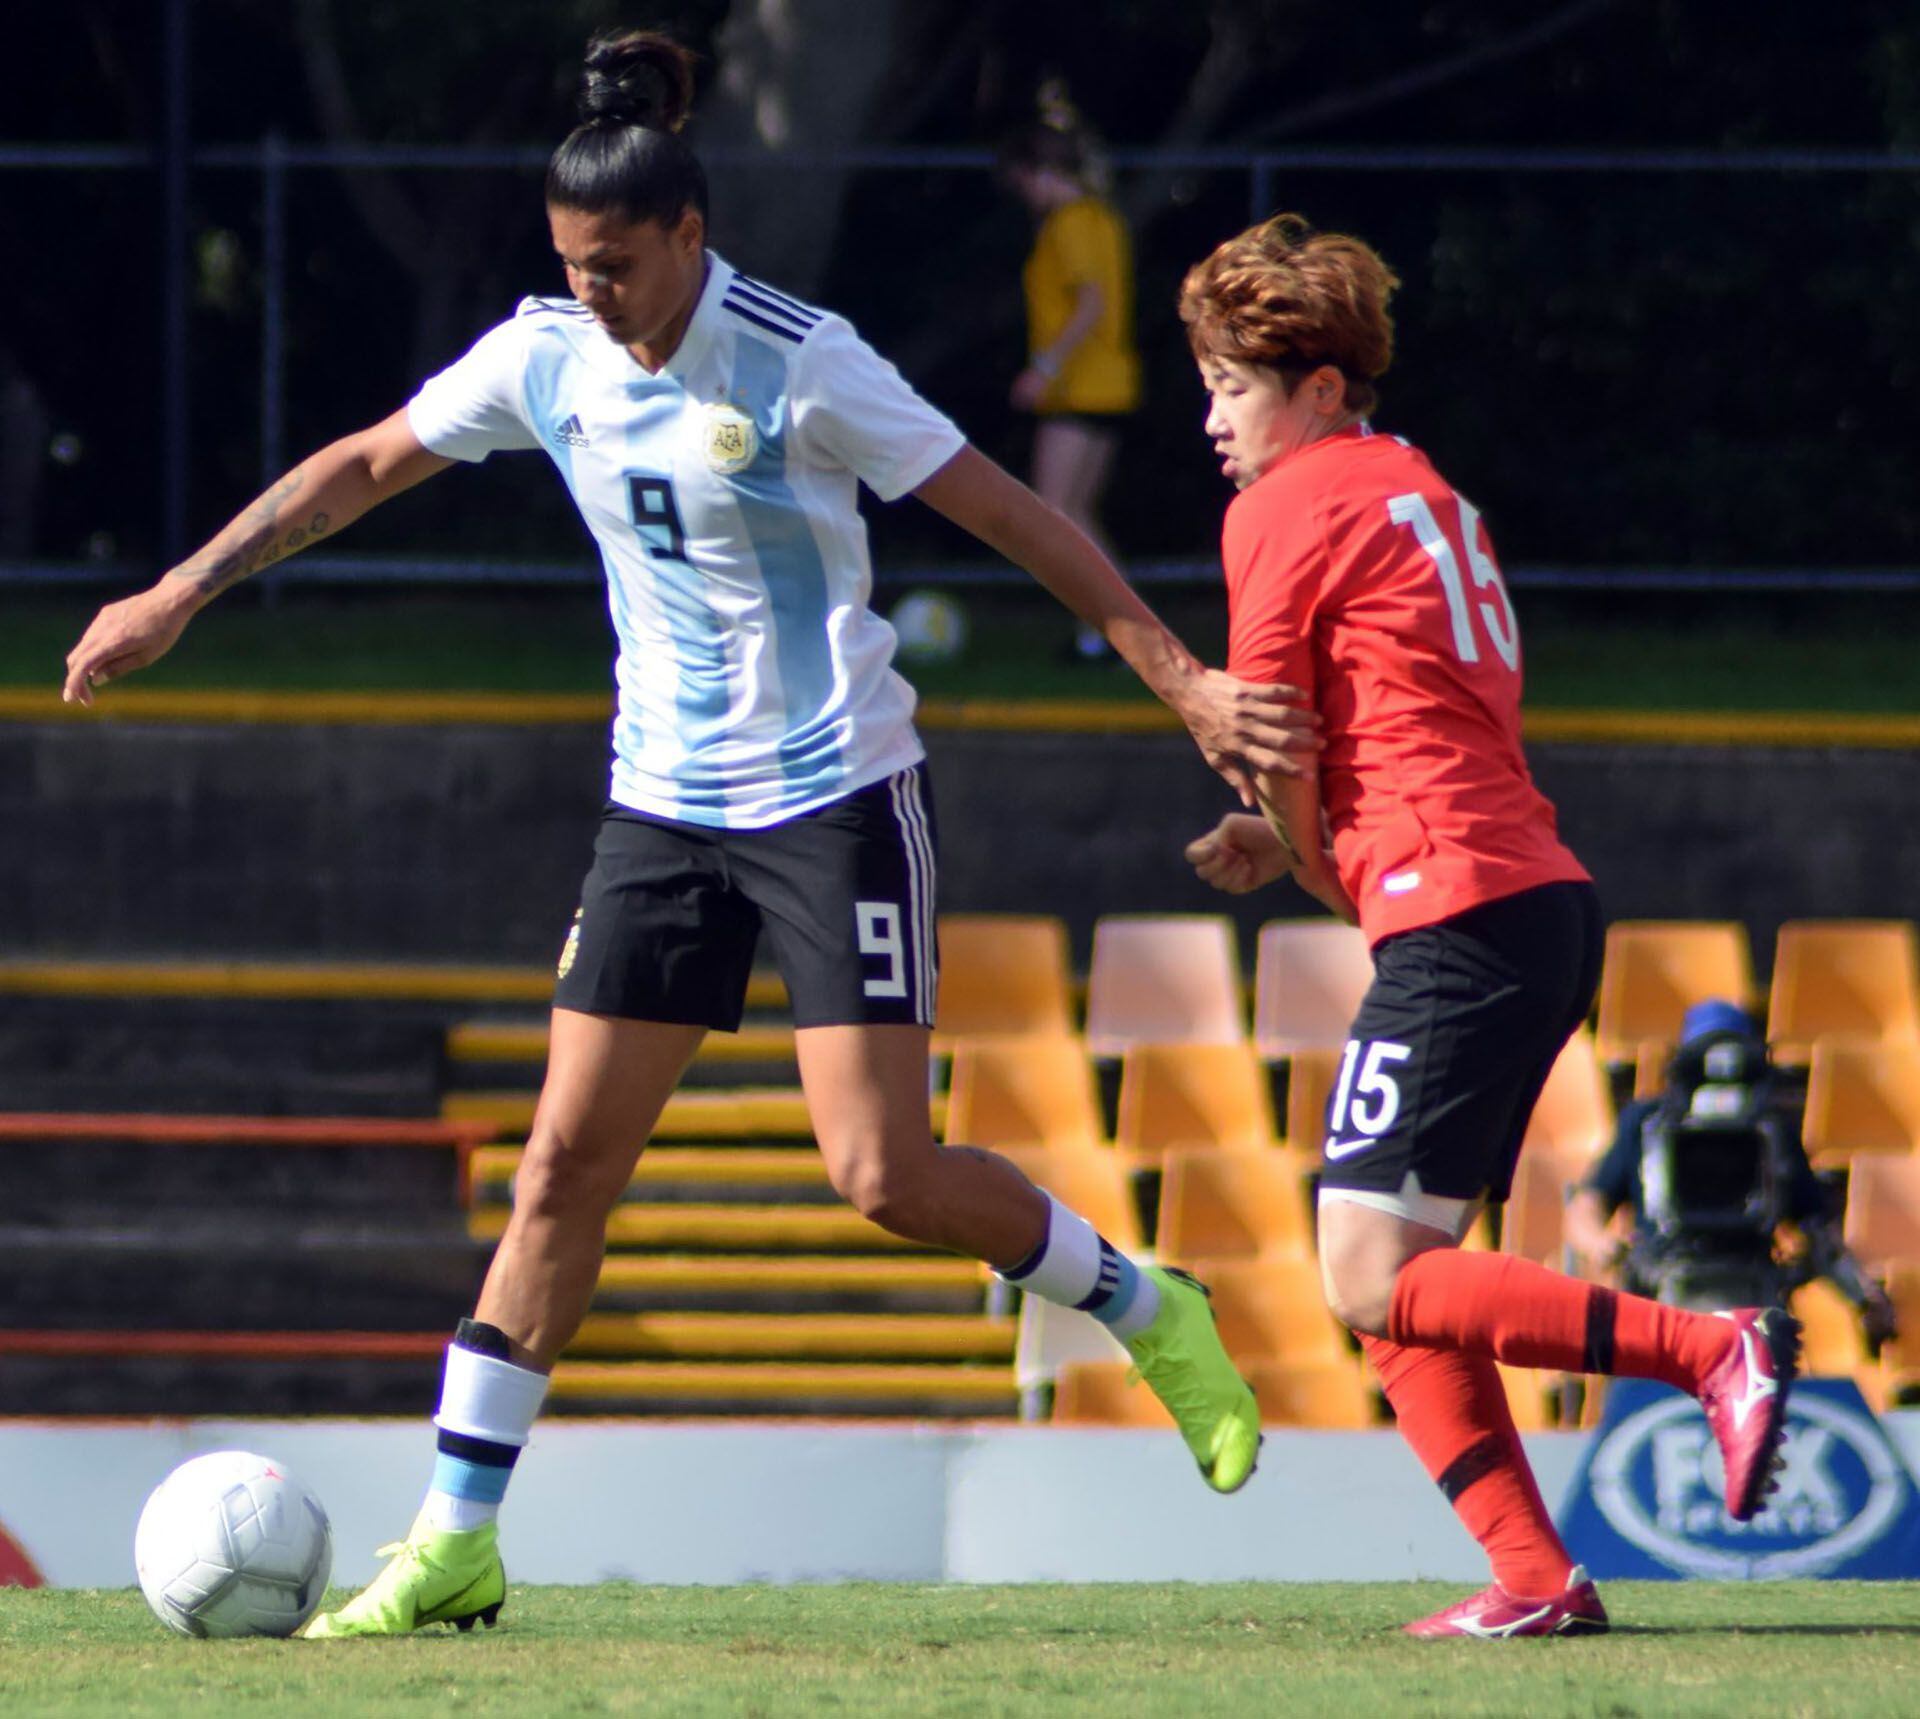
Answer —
1657 1478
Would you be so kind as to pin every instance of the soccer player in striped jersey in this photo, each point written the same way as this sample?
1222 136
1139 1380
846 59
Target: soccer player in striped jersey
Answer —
1355 571
713 432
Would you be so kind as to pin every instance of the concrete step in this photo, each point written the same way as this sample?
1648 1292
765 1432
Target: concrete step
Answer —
689 1172
770 1283
727 1229
794 1337
782 1388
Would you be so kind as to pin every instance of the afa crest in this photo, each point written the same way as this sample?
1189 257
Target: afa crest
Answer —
729 439
571 949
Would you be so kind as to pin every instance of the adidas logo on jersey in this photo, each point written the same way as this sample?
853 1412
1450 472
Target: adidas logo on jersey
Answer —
569 432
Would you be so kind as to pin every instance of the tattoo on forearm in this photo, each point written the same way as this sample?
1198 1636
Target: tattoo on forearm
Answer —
256 540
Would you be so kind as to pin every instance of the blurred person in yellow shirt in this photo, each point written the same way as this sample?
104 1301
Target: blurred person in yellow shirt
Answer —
1083 374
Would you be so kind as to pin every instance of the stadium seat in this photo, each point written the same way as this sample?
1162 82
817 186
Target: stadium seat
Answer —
1882 1224
1171 979
1846 978
1529 1394
1900 1359
1273 1310
1573 1122
1232 1205
1091 1180
1178 1096
1310 1078
1096 1393
1003 973
1650 1068
1022 1092
1861 1098
1532 1223
1308 978
1321 1394
1655 969
1831 1343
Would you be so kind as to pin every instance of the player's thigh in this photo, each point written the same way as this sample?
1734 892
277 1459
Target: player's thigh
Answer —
661 934
866 1090
607 1081
847 897
1449 1050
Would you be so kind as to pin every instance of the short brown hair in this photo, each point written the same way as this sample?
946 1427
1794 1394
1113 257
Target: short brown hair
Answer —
1285 297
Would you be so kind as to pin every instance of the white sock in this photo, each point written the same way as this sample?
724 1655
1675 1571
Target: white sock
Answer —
1078 1267
487 1410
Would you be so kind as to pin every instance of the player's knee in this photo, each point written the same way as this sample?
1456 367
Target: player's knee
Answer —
884 1190
1356 1296
560 1181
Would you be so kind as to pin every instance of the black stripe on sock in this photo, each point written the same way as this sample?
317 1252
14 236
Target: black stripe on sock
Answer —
483 1452
1474 1463
1105 1283
473 1334
1603 1305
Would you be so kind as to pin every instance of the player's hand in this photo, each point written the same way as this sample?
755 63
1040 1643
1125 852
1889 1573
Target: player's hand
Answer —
1243 728
127 635
1240 853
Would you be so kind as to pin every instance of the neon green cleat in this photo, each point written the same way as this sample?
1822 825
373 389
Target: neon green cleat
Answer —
437 1576
1181 1357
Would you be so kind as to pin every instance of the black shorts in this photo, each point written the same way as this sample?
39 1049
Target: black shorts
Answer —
1454 1041
671 913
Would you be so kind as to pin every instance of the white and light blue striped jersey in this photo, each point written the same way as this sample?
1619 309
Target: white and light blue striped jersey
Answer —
754 680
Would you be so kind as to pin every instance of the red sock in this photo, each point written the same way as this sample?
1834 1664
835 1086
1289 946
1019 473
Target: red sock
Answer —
1524 1314
1452 1408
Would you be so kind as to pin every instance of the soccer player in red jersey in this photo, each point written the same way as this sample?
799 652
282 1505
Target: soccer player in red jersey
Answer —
1356 571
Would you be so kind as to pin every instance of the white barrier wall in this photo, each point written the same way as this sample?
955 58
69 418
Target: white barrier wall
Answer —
732 1501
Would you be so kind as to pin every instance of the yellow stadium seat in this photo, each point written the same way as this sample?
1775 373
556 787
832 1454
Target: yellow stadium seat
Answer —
1532 1223
1330 1394
1022 1092
1232 1205
1831 1342
1096 1393
1091 1180
1178 1096
1310 1078
1528 1397
1273 1310
1900 1358
1650 1067
1861 1098
1003 973
1308 978
1846 978
1655 969
1574 1119
1883 1212
1167 979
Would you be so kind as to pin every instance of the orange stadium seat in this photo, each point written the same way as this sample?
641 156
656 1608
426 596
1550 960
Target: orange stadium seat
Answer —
1310 1078
1574 1119
1900 1359
1650 1068
1003 973
1847 978
1091 1180
1168 979
1273 1310
1861 1098
1308 978
1528 1397
1656 968
1882 1224
1178 1096
1325 1394
1096 1393
1831 1341
1532 1224
1022 1092
1233 1205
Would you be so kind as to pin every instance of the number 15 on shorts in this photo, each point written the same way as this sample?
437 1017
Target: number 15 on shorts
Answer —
1366 1099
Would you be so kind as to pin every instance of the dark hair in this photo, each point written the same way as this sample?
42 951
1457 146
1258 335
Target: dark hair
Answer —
624 155
1056 139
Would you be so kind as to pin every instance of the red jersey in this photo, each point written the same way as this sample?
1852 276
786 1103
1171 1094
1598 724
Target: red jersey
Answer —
1357 574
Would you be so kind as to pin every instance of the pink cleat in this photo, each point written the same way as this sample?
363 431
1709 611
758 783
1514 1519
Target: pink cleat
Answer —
1745 1397
1493 1614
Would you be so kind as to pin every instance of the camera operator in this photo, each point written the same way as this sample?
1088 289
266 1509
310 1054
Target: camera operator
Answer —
1711 1168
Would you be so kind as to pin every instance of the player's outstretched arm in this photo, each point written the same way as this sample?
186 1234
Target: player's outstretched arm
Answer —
1242 730
325 492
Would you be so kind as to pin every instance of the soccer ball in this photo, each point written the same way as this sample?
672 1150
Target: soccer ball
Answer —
931 627
231 1544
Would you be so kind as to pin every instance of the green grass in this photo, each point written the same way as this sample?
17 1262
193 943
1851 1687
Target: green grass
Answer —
1686 654
1785 1649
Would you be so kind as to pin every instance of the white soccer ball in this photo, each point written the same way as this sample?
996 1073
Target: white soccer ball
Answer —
931 627
231 1544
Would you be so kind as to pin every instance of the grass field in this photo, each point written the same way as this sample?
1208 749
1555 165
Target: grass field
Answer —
1687 654
1779 1649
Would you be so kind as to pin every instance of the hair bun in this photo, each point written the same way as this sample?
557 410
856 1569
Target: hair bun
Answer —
637 77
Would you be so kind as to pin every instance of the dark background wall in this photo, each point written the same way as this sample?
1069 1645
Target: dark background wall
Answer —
469 843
